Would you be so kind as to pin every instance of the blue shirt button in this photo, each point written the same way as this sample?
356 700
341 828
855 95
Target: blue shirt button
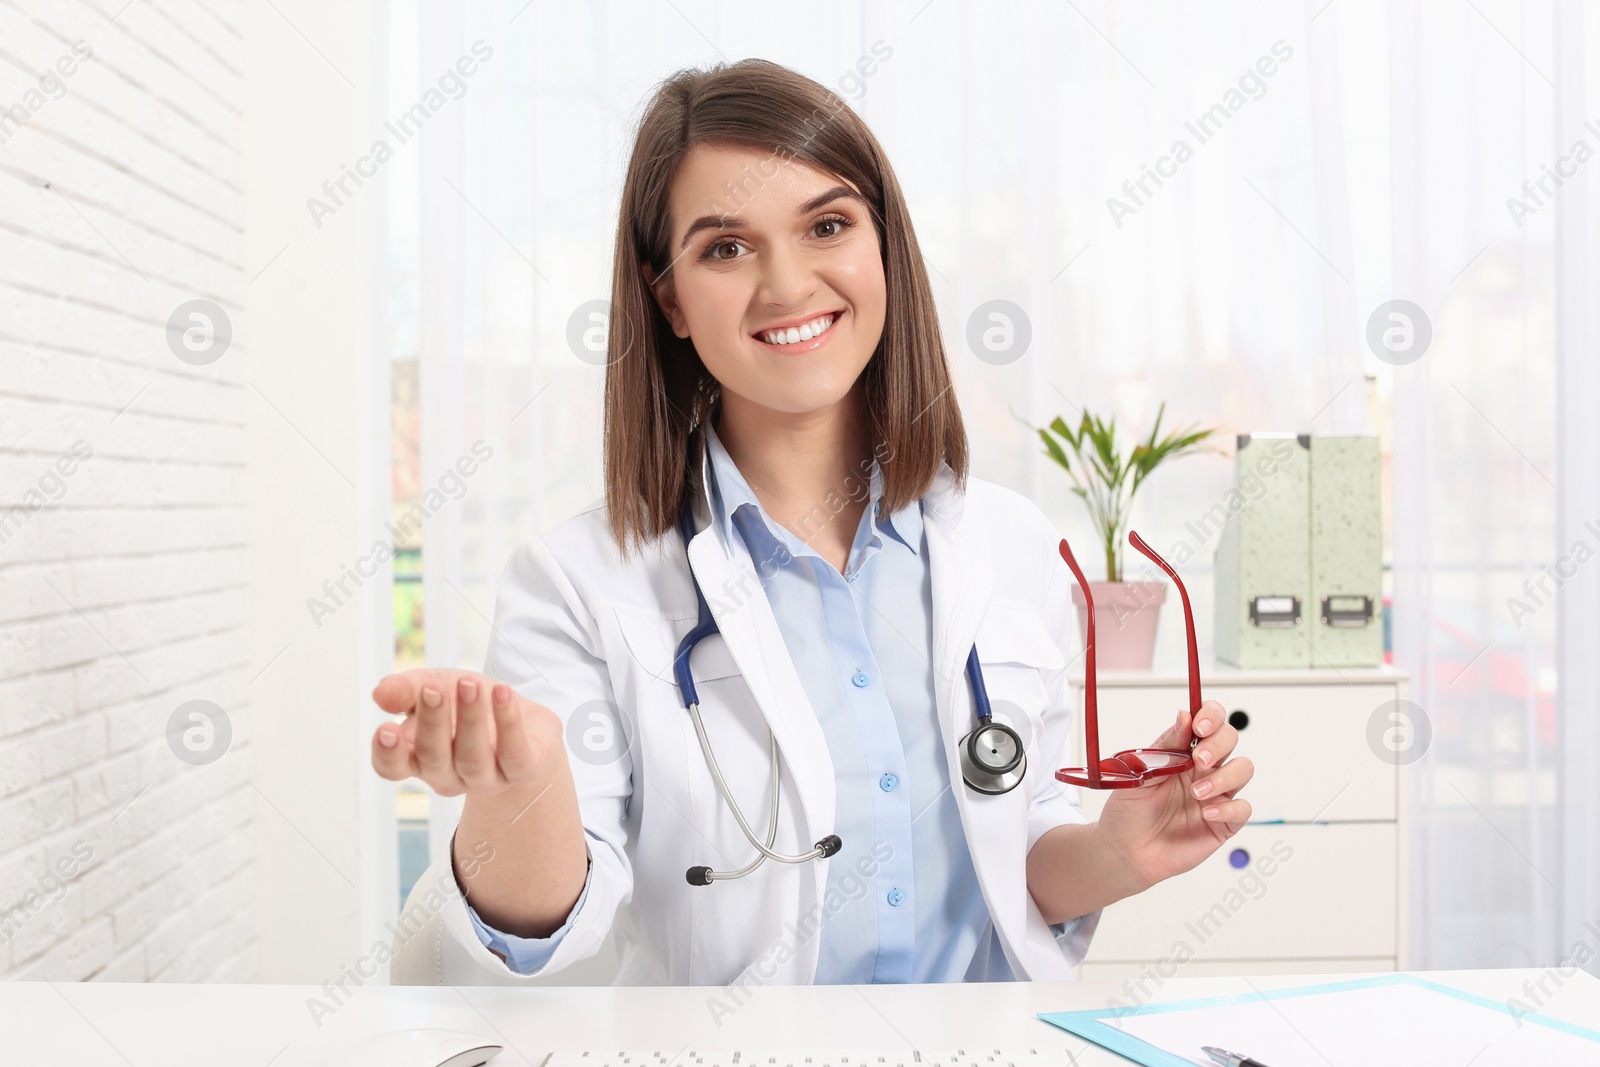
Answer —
896 898
861 679
888 782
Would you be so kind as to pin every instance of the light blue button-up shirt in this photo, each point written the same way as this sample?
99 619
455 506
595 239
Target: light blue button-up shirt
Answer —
860 641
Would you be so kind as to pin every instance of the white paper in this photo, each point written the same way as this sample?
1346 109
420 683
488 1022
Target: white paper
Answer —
1398 1025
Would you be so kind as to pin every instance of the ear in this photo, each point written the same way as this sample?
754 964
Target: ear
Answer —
666 295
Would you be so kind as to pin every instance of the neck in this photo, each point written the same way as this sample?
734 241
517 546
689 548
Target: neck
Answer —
797 463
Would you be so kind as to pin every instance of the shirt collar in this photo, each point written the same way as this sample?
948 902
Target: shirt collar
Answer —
729 492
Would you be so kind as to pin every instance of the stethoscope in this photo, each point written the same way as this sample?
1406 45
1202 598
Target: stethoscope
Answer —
992 757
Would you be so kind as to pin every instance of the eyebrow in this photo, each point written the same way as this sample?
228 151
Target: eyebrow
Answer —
734 222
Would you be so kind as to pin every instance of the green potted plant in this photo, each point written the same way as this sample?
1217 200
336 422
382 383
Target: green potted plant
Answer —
1126 612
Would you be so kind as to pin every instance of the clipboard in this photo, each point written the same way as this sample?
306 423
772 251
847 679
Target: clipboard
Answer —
1398 1019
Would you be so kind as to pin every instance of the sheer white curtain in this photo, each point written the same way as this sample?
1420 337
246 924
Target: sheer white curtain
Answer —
1479 480
1026 136
1577 222
1337 157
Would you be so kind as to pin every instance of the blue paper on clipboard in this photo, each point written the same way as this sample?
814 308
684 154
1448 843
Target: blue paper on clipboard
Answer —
1398 1019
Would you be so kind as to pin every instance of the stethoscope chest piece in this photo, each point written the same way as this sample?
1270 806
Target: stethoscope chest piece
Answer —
992 758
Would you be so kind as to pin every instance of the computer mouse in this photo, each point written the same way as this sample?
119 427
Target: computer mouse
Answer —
419 1048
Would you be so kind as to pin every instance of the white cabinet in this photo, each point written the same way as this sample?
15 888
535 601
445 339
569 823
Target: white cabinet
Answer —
1316 882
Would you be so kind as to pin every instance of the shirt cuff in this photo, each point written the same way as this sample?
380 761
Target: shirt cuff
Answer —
524 955
1064 931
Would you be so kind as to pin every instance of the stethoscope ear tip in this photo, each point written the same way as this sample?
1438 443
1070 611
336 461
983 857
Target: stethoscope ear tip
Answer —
698 875
829 846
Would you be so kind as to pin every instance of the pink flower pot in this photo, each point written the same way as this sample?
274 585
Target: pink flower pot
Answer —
1125 617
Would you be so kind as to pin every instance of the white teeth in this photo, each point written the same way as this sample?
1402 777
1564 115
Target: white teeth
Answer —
796 334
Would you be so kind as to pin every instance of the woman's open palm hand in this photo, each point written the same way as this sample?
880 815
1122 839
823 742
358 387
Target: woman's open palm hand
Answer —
463 733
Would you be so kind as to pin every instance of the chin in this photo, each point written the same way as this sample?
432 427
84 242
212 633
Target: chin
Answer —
803 403
799 395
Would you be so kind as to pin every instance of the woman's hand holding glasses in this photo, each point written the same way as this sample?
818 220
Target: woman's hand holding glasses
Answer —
1173 803
1175 822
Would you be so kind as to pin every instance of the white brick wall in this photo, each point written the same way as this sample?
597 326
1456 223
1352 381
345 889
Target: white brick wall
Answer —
127 593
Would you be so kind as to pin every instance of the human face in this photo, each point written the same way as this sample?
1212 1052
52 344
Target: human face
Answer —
760 246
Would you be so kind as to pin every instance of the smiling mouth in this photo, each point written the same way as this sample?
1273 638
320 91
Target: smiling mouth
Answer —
806 331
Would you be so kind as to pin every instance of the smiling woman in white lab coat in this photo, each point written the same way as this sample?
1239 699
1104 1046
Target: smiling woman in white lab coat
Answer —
776 369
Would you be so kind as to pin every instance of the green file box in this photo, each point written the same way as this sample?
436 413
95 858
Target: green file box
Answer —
1263 560
1346 603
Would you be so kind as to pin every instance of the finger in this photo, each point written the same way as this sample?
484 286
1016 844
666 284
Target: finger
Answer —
1209 718
514 750
1216 748
435 725
408 742
474 749
1225 781
391 753
1235 813
397 693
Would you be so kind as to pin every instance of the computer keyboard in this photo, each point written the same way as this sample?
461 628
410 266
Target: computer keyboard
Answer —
1031 1057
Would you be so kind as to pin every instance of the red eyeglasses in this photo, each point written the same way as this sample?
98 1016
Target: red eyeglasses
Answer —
1132 767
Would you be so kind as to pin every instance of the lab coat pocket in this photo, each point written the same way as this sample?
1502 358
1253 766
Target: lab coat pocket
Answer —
1016 654
735 728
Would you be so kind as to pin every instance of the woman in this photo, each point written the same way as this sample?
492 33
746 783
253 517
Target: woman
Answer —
776 369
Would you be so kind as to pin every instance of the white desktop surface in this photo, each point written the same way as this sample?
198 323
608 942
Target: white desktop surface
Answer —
145 1025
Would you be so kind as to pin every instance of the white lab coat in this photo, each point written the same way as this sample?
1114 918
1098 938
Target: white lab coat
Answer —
574 625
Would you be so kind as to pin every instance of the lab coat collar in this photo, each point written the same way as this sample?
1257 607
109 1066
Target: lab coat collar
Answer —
960 552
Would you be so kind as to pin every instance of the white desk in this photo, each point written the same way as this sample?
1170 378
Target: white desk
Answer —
162 1025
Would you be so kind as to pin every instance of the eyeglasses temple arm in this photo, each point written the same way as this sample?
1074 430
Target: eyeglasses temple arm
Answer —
1091 711
1188 617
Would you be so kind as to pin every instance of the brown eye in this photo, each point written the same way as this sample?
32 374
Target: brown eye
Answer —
837 221
723 250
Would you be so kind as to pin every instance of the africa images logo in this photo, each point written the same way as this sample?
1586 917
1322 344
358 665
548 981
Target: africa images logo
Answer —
1251 85
451 85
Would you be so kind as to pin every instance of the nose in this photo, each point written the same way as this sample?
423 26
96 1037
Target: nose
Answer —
786 278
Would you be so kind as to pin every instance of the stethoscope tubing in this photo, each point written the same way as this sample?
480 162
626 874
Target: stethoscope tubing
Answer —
765 850
772 815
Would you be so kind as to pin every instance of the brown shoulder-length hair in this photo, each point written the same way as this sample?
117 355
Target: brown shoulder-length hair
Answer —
657 389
